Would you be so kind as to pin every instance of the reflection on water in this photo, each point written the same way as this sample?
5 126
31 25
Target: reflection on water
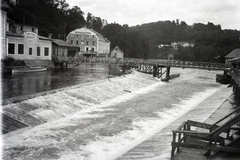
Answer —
19 84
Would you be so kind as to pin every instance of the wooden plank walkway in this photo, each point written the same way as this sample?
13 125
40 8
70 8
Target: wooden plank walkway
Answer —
158 147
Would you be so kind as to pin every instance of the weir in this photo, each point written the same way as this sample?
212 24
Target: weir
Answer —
44 107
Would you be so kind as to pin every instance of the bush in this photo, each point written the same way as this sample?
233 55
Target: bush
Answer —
9 61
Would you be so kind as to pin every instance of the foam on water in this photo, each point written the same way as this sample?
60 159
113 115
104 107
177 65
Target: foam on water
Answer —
66 102
77 112
109 148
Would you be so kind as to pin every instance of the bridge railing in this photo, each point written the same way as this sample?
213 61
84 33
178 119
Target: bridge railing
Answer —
200 65
139 61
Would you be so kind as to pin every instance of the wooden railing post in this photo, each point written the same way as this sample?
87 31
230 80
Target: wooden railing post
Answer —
173 145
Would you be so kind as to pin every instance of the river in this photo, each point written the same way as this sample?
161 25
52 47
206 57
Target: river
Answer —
19 84
103 120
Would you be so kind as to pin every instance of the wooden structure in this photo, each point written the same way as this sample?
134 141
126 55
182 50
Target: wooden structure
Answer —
157 67
236 83
217 140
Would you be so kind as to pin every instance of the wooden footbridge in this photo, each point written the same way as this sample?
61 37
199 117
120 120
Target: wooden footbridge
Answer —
152 66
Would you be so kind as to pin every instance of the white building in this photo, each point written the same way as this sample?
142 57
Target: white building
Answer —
24 43
89 41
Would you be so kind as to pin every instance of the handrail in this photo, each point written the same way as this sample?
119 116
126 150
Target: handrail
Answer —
139 61
214 124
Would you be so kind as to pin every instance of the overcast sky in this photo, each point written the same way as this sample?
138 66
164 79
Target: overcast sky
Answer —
136 12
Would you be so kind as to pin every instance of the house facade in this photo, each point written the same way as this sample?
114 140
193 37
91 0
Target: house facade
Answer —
117 53
24 43
4 9
61 49
89 41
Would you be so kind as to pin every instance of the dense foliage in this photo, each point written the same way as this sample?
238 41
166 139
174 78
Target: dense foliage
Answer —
211 43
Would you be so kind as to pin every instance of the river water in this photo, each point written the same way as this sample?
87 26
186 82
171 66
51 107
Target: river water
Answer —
104 119
18 84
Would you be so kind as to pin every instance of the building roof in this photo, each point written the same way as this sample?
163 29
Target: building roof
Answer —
60 42
90 31
117 48
5 6
14 34
234 54
44 38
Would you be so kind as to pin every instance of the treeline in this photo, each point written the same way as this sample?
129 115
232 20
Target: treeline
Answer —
211 43
52 16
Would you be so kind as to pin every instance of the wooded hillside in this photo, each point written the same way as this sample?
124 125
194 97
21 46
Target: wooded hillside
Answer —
211 43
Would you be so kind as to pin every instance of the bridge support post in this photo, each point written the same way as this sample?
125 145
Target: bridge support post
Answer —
168 73
66 65
155 71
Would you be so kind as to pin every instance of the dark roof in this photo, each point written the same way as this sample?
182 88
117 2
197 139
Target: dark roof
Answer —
44 38
60 42
14 34
234 54
5 6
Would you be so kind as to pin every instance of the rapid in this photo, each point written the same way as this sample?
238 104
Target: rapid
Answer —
102 120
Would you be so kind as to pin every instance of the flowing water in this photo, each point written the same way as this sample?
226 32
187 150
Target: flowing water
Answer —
104 119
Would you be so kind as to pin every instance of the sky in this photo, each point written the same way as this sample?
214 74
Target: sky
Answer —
137 12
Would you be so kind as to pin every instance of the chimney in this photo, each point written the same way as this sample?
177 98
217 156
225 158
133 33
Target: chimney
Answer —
50 35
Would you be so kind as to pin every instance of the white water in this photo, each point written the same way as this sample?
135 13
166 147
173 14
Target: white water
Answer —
104 120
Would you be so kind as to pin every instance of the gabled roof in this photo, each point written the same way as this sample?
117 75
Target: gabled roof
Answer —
100 37
86 30
234 54
117 48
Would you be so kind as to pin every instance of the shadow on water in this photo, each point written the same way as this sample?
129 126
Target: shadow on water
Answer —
18 84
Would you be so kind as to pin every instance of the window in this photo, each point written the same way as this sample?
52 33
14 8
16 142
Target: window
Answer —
46 51
30 51
92 36
71 41
20 49
11 48
76 42
93 43
38 51
87 42
32 29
